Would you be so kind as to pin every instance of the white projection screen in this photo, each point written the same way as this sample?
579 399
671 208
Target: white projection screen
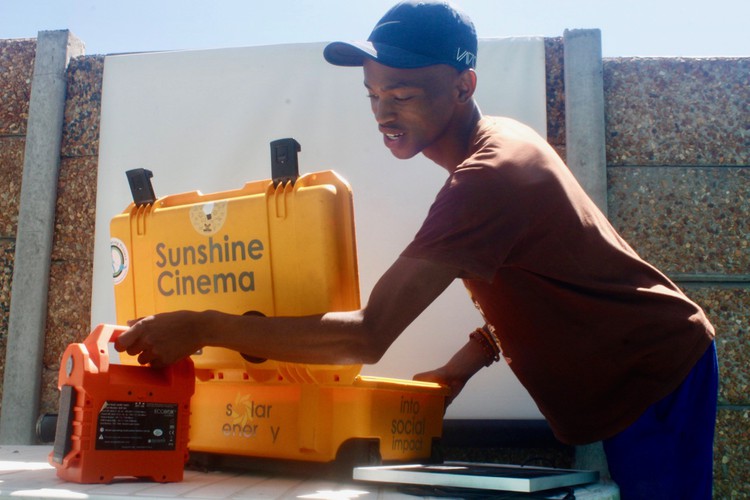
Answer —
203 120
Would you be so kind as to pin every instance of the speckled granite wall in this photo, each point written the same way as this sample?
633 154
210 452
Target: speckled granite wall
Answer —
678 156
677 111
693 220
678 153
16 69
69 309
555 62
69 300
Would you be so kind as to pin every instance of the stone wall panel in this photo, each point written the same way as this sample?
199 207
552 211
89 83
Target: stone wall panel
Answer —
16 71
684 220
674 111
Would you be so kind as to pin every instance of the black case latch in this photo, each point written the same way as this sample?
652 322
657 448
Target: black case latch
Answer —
284 165
140 186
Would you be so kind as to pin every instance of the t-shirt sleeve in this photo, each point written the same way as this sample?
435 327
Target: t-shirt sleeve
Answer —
473 224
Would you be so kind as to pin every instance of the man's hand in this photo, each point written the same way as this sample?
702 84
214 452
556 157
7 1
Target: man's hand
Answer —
458 370
164 338
441 376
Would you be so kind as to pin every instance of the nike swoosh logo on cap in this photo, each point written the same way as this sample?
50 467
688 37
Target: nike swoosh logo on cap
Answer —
385 24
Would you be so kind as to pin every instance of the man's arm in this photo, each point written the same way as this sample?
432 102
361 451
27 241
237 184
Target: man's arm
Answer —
363 336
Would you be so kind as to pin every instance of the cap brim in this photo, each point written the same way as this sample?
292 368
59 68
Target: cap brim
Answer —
354 54
348 53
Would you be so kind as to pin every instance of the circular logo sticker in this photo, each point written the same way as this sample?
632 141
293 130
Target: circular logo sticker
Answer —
208 218
120 260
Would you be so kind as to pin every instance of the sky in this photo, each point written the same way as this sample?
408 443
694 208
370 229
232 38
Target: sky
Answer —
630 28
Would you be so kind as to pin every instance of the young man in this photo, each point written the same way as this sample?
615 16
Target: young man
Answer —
607 346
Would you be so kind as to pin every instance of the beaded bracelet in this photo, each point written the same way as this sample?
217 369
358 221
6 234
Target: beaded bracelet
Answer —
488 343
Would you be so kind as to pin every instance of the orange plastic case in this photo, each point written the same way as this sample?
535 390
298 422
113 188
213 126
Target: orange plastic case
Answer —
118 420
277 248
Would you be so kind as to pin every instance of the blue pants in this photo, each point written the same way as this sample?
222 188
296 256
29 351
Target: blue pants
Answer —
668 452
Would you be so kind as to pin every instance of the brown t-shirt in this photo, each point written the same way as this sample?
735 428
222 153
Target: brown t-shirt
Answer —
592 331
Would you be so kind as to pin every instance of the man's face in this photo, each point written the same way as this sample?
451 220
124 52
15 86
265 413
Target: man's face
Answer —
413 107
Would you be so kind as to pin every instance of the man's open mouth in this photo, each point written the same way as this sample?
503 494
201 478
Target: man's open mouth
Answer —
393 137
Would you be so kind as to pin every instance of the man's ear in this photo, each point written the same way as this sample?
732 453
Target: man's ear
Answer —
466 85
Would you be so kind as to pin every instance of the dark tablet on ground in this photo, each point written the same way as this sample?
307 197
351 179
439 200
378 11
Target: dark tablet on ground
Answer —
477 476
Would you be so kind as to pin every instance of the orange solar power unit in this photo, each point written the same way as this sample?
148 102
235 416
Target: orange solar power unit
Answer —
284 246
118 420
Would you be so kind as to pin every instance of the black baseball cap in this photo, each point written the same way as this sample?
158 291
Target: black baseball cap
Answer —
413 34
